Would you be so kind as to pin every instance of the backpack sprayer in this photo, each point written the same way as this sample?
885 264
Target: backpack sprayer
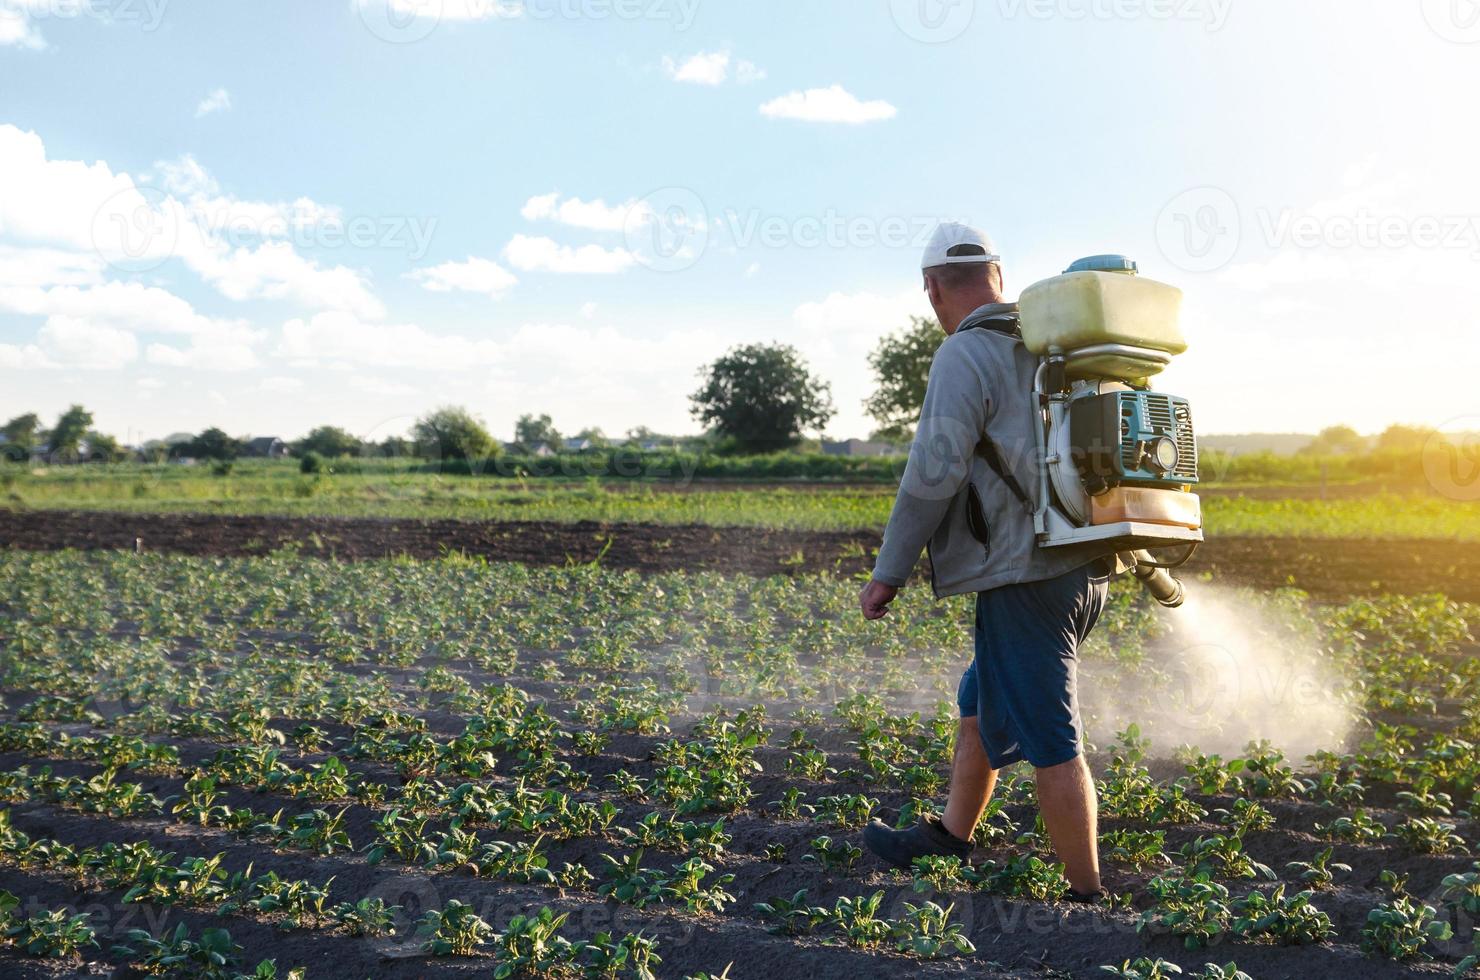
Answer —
1118 461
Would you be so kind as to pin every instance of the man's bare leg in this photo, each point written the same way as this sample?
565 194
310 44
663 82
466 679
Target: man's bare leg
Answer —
972 782
1066 798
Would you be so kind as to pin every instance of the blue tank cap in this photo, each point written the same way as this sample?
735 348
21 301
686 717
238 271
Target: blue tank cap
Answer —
1104 263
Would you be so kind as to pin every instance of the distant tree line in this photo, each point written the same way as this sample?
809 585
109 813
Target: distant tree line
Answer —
448 433
71 438
755 399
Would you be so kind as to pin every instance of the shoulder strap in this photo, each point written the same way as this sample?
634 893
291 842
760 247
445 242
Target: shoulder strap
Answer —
992 456
1006 323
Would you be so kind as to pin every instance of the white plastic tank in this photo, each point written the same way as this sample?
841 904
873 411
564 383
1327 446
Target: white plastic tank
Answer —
1102 300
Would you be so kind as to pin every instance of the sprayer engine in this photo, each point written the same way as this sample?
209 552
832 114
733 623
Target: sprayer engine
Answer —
1133 438
1118 459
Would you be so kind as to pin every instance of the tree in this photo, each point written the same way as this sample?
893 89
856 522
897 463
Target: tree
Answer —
453 433
1404 438
901 366
1338 440
20 436
531 432
104 448
67 435
154 451
396 447
213 443
595 436
328 441
763 397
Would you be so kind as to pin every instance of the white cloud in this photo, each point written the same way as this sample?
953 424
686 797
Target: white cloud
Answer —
274 270
711 68
84 207
47 267
217 101
224 216
531 254
126 305
66 202
827 105
103 312
339 336
594 215
864 315
474 276
588 310
81 343
281 384
241 247
748 72
540 206
187 178
16 27
205 354
704 68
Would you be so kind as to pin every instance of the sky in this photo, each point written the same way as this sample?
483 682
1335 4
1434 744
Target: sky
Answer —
267 215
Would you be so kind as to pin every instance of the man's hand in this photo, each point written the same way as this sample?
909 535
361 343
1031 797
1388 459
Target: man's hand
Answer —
875 599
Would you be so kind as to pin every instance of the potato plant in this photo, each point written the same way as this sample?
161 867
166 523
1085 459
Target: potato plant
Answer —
583 742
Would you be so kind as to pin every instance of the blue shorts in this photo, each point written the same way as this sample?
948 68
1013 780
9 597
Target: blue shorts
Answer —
1022 687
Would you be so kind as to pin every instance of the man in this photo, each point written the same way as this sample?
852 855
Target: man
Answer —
967 496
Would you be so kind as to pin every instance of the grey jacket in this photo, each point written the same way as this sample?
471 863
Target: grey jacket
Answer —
981 381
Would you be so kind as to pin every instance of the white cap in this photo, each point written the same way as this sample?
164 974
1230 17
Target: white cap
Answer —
951 235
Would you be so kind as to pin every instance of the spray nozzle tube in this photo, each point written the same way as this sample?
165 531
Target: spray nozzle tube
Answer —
1158 581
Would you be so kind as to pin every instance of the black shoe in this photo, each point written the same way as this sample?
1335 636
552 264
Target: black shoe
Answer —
926 838
1100 897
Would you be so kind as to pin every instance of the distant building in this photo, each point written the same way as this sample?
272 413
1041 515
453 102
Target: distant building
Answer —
265 447
43 453
579 445
859 447
539 450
